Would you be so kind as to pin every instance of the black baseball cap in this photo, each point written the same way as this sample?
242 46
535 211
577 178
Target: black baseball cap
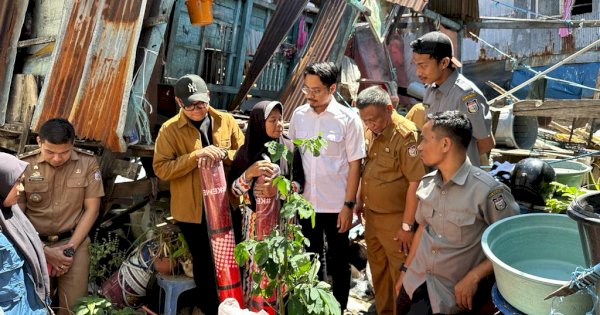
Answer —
436 44
191 88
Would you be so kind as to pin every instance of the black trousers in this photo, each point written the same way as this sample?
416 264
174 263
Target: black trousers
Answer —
335 261
421 305
196 236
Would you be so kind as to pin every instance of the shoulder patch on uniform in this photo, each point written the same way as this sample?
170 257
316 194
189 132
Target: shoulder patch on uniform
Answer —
97 175
28 154
499 202
472 106
84 151
469 96
463 84
494 192
412 151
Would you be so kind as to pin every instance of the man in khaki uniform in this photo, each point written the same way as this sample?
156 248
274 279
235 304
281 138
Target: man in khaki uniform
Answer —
63 187
198 134
446 269
390 177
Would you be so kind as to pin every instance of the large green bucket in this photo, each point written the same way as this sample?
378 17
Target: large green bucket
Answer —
570 173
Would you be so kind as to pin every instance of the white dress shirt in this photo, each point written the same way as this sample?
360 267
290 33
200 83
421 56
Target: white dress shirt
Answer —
327 174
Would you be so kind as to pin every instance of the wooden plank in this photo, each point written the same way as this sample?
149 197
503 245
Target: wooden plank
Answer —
137 188
585 108
36 41
125 168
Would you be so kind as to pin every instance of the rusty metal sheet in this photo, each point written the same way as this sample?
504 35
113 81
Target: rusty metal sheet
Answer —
12 16
416 5
92 65
318 49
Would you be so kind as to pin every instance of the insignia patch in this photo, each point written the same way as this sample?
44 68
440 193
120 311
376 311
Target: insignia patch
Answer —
412 150
468 96
494 192
97 175
472 106
78 171
499 202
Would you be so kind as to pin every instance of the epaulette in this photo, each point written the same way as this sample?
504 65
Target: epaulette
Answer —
484 177
28 154
84 151
464 85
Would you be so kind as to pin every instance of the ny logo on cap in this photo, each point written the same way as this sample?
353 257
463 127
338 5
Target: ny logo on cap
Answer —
192 88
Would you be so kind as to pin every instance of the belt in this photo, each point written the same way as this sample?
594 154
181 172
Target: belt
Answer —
56 238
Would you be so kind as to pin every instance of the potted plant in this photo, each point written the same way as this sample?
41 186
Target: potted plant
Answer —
284 266
170 249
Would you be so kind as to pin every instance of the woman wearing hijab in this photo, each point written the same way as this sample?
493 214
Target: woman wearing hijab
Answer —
24 282
249 163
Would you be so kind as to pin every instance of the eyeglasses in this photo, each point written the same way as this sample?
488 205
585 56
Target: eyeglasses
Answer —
313 91
193 106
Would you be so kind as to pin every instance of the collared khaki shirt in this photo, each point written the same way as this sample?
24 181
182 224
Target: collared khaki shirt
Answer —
454 215
173 161
459 93
392 162
53 198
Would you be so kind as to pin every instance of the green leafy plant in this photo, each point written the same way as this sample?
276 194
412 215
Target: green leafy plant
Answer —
594 182
170 243
281 257
562 197
105 257
98 305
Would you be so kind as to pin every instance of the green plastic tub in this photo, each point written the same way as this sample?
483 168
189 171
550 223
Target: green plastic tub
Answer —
570 173
533 255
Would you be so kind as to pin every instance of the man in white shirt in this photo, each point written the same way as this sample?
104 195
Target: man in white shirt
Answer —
332 177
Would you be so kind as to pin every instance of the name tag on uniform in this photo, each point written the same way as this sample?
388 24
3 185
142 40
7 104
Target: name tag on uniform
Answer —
36 177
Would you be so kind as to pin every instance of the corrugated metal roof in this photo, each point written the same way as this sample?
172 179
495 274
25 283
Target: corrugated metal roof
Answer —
416 5
318 49
12 15
541 46
90 79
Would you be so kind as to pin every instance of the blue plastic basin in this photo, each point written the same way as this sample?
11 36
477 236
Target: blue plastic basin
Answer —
533 255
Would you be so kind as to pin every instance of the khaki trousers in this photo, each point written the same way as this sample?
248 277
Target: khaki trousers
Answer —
384 256
73 284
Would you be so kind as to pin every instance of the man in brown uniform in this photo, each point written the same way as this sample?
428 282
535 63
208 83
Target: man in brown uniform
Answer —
63 187
390 177
197 134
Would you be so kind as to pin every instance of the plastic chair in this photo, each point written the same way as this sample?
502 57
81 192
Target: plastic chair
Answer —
173 287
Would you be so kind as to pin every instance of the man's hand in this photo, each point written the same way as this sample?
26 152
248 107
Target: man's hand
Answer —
359 211
344 220
465 290
208 155
398 285
56 258
404 240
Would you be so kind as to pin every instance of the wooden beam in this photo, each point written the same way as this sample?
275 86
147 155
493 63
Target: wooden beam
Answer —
36 41
558 108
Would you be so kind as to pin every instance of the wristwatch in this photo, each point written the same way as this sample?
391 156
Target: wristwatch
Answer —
408 227
403 267
350 204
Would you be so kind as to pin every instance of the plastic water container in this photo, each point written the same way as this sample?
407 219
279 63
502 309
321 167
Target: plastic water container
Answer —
570 173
